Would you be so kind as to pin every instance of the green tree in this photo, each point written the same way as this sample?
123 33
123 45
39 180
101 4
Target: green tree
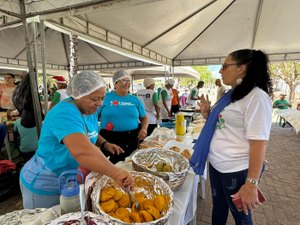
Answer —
205 75
289 72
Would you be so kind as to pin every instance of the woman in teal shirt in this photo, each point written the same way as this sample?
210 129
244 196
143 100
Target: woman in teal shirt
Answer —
67 140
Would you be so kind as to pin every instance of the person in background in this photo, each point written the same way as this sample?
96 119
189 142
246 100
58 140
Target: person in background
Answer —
165 100
6 92
61 92
194 94
220 89
282 103
183 98
121 113
235 136
149 97
25 135
67 140
175 102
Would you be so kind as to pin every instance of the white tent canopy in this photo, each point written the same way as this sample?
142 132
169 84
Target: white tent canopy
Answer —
185 71
172 32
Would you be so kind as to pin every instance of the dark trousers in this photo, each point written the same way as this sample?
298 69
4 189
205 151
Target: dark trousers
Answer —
151 128
223 185
174 109
127 140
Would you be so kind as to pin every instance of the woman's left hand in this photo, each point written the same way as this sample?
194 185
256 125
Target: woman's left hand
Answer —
142 134
249 197
113 149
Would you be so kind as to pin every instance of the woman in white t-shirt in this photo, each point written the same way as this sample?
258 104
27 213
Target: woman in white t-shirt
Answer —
238 141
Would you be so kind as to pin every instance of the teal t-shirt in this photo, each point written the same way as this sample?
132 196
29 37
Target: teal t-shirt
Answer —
40 174
28 136
121 113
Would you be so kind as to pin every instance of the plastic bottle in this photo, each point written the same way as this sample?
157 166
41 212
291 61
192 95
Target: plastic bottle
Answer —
69 191
180 124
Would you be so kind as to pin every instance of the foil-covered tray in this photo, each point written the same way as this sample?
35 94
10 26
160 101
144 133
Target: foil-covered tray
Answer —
147 159
74 219
145 183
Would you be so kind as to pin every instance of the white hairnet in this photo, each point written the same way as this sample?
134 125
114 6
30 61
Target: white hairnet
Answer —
84 84
148 82
119 75
170 82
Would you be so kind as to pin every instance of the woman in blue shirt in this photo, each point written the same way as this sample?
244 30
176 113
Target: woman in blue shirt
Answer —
67 140
120 116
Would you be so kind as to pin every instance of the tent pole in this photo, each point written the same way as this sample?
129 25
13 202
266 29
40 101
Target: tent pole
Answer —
43 58
73 55
32 73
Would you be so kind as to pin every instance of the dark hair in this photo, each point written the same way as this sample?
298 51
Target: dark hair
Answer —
10 74
201 82
257 72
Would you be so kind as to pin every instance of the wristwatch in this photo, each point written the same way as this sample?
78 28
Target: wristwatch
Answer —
252 181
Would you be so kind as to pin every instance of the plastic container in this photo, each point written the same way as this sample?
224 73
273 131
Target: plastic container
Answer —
68 184
180 124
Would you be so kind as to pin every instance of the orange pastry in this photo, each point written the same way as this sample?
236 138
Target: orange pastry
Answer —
118 195
140 197
159 202
147 217
108 205
147 202
153 211
107 193
124 201
134 209
122 212
135 217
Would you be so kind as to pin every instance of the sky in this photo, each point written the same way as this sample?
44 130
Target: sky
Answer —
215 70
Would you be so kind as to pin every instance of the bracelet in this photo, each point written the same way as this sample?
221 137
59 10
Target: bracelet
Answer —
103 144
252 181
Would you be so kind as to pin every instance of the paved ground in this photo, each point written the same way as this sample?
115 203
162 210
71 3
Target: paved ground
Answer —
280 184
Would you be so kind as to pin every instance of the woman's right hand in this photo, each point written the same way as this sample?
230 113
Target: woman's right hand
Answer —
123 178
204 106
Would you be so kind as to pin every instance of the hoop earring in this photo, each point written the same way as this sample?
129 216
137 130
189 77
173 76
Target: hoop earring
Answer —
239 81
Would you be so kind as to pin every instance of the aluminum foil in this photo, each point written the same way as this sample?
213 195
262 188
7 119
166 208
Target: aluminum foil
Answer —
146 183
148 158
74 219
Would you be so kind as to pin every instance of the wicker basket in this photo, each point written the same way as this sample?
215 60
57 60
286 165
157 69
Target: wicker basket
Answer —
147 184
143 158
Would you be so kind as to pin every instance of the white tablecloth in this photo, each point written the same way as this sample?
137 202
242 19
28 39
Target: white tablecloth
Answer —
185 198
290 115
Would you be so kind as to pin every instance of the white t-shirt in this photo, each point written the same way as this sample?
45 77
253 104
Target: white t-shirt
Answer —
247 119
146 96
189 100
220 91
163 111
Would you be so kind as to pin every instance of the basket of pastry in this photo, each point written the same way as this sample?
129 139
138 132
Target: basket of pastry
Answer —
154 196
167 164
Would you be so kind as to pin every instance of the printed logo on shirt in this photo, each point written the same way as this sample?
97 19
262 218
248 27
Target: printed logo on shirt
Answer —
92 134
116 103
220 122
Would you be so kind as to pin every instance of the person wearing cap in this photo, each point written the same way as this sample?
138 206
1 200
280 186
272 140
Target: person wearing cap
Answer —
6 92
194 94
149 97
120 116
67 141
165 100
61 92
282 103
